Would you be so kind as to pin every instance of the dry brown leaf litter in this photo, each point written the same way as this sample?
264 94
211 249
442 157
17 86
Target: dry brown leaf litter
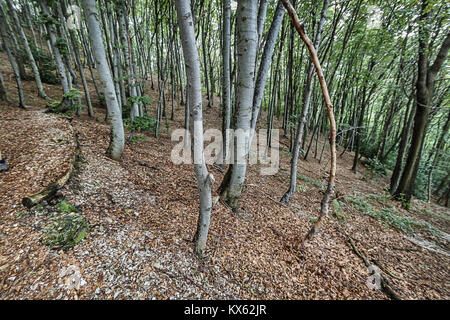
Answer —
143 212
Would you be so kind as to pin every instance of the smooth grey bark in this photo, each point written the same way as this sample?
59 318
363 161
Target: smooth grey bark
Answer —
260 20
27 12
307 100
262 12
26 45
58 58
76 53
247 43
117 139
89 59
83 77
226 81
131 80
120 86
62 34
13 65
192 64
14 47
265 62
118 82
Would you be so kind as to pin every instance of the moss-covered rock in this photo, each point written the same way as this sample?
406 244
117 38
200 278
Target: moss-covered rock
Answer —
66 228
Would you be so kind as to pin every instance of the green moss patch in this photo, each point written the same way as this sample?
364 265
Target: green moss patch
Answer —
66 228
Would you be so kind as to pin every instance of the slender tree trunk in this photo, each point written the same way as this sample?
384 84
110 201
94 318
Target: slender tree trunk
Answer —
306 101
437 153
79 65
204 178
247 38
131 79
26 45
13 65
58 58
424 92
265 62
407 126
331 179
226 81
3 96
117 140
14 46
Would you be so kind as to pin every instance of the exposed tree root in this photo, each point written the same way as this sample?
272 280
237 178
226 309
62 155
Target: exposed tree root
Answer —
385 285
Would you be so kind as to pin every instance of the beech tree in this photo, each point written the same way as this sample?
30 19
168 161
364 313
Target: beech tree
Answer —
117 140
66 82
192 64
372 85
13 63
247 43
30 56
425 85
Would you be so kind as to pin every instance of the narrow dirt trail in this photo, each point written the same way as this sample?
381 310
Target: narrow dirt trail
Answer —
38 148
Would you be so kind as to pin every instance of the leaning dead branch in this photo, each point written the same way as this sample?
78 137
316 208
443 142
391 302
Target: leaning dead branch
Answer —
330 112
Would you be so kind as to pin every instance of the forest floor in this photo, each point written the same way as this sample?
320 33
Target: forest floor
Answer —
142 213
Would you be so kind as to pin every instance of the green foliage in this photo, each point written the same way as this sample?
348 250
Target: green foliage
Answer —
126 110
337 210
138 138
383 198
145 100
421 183
65 231
369 150
44 62
359 203
376 166
302 187
73 94
43 19
442 216
66 107
145 123
307 179
390 217
406 204
61 44
66 207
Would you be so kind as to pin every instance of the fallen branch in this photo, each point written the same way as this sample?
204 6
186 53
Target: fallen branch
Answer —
385 270
407 249
51 190
145 164
385 286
